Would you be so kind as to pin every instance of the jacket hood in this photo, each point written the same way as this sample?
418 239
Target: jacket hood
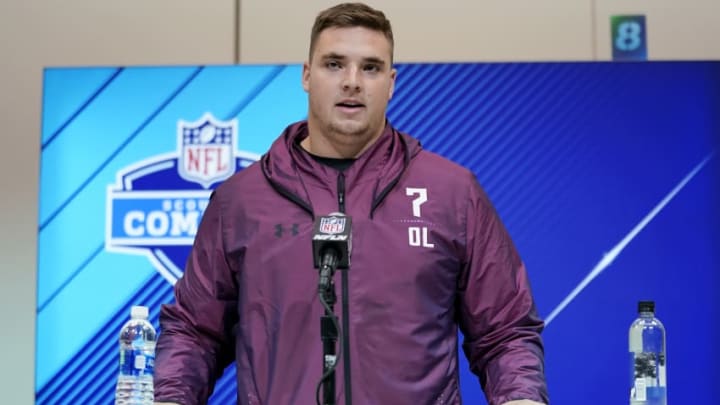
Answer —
291 170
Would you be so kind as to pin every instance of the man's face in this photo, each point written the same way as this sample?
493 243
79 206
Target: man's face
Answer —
349 80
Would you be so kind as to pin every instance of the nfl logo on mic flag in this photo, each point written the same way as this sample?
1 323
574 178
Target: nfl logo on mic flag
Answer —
332 225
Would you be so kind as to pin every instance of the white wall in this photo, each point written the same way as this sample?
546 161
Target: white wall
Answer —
430 30
34 34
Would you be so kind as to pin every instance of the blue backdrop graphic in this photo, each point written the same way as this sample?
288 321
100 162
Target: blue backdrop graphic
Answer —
607 176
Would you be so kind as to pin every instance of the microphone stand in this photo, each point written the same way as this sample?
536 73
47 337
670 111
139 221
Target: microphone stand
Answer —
346 337
328 332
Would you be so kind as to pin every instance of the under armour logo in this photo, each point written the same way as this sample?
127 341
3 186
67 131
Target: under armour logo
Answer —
280 230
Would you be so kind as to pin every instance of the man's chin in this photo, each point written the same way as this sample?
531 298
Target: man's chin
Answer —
353 129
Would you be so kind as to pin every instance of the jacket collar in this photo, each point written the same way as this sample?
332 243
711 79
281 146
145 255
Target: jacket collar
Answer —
293 172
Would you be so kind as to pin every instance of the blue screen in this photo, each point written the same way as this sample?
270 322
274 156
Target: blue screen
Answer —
607 176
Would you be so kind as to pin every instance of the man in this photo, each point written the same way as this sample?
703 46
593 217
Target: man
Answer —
429 255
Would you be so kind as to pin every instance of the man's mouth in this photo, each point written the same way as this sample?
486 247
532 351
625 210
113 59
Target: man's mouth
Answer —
350 104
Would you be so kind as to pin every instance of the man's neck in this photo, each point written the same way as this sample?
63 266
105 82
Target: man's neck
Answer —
339 164
322 145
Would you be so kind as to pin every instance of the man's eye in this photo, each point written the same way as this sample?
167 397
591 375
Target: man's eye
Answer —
332 65
372 68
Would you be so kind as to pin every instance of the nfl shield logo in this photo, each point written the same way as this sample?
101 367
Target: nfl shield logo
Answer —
332 225
206 149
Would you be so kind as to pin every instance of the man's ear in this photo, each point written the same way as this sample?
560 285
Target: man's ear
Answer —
306 76
393 75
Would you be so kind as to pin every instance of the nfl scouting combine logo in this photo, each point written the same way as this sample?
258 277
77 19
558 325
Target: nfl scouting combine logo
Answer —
155 206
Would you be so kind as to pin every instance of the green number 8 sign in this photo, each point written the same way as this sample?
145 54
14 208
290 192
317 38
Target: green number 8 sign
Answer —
628 37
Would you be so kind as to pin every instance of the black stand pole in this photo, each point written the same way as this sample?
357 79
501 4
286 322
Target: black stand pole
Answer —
347 386
329 335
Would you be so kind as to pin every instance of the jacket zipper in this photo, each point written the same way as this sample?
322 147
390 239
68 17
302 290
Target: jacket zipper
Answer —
341 192
345 304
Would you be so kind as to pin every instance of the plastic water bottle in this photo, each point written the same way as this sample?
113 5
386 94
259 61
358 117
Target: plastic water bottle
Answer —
137 360
647 353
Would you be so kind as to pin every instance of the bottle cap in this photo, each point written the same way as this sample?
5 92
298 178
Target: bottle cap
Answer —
139 311
646 306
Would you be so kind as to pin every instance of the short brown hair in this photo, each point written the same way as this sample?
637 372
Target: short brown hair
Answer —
348 15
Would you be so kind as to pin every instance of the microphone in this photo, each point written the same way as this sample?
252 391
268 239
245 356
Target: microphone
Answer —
332 244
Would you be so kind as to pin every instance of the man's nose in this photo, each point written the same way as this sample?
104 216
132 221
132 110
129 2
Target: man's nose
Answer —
351 80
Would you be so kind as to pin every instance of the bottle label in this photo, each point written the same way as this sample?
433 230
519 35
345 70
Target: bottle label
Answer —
648 376
645 364
640 389
137 362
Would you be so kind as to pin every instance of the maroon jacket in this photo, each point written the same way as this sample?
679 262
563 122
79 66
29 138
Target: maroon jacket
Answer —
429 255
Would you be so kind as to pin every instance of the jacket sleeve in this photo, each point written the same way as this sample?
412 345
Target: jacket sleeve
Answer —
497 314
196 331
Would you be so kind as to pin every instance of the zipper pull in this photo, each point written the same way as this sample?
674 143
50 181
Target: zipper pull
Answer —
341 192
